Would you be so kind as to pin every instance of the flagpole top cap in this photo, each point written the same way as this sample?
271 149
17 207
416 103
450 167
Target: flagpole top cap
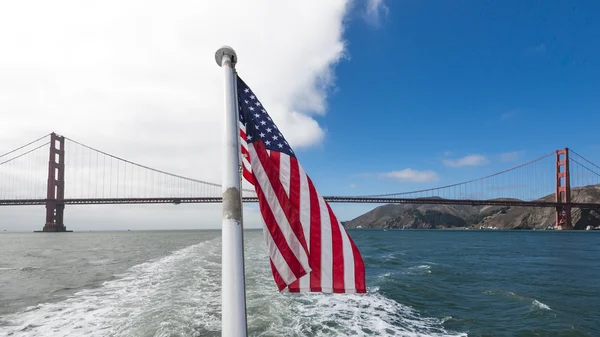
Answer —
226 50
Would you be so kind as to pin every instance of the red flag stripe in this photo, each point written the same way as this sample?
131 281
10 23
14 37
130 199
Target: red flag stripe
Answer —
326 254
304 202
315 238
349 260
281 284
292 176
278 246
284 270
289 176
246 166
309 249
269 165
359 268
269 199
283 162
338 253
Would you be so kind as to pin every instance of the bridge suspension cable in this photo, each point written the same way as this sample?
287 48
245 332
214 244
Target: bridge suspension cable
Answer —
24 171
90 173
583 171
93 173
24 146
528 181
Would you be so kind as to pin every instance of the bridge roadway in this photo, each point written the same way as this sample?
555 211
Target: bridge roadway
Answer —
331 199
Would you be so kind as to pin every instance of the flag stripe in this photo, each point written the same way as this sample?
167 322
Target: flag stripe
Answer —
309 249
285 238
315 239
283 269
338 252
246 166
285 175
326 254
305 209
359 269
277 238
283 162
302 285
278 279
270 175
349 260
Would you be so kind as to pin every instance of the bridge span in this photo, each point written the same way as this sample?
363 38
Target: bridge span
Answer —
41 172
330 199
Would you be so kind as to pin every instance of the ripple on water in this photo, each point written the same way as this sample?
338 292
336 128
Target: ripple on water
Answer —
535 304
179 294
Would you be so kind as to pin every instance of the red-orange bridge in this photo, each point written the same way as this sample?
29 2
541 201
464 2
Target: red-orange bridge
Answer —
35 174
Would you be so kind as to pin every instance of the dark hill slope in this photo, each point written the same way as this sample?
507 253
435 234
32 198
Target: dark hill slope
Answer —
449 216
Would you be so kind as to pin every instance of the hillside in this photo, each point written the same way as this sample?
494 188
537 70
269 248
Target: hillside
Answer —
455 216
540 218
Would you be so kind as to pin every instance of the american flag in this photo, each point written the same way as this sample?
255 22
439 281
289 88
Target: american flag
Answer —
309 249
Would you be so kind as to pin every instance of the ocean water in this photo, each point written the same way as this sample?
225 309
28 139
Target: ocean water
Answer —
421 283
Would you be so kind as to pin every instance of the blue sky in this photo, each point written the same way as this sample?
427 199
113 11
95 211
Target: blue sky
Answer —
427 93
437 81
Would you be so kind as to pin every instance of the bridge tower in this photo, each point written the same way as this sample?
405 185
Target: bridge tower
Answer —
563 190
56 185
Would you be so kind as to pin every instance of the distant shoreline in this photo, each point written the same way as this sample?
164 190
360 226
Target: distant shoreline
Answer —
472 229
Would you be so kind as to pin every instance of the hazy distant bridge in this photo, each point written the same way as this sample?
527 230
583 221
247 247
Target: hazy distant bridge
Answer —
95 177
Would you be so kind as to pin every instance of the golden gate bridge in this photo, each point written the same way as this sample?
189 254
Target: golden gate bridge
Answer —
56 171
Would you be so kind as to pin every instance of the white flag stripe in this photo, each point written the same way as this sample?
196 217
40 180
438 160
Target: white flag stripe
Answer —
304 204
336 263
348 260
284 172
244 144
305 219
278 261
247 164
326 254
290 237
285 177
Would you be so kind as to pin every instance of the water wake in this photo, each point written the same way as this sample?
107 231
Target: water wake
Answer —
180 294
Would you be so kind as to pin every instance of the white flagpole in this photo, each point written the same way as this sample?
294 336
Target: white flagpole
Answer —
233 318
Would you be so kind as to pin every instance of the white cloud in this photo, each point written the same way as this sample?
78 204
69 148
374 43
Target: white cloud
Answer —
352 185
138 78
510 156
413 176
470 160
375 11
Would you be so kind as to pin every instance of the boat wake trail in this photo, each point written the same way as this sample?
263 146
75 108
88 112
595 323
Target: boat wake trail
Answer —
180 294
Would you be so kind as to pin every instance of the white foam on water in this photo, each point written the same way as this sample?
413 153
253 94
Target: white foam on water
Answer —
537 304
147 299
370 314
385 275
420 270
180 294
347 315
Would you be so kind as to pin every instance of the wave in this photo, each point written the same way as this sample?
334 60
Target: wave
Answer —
180 294
537 304
509 294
